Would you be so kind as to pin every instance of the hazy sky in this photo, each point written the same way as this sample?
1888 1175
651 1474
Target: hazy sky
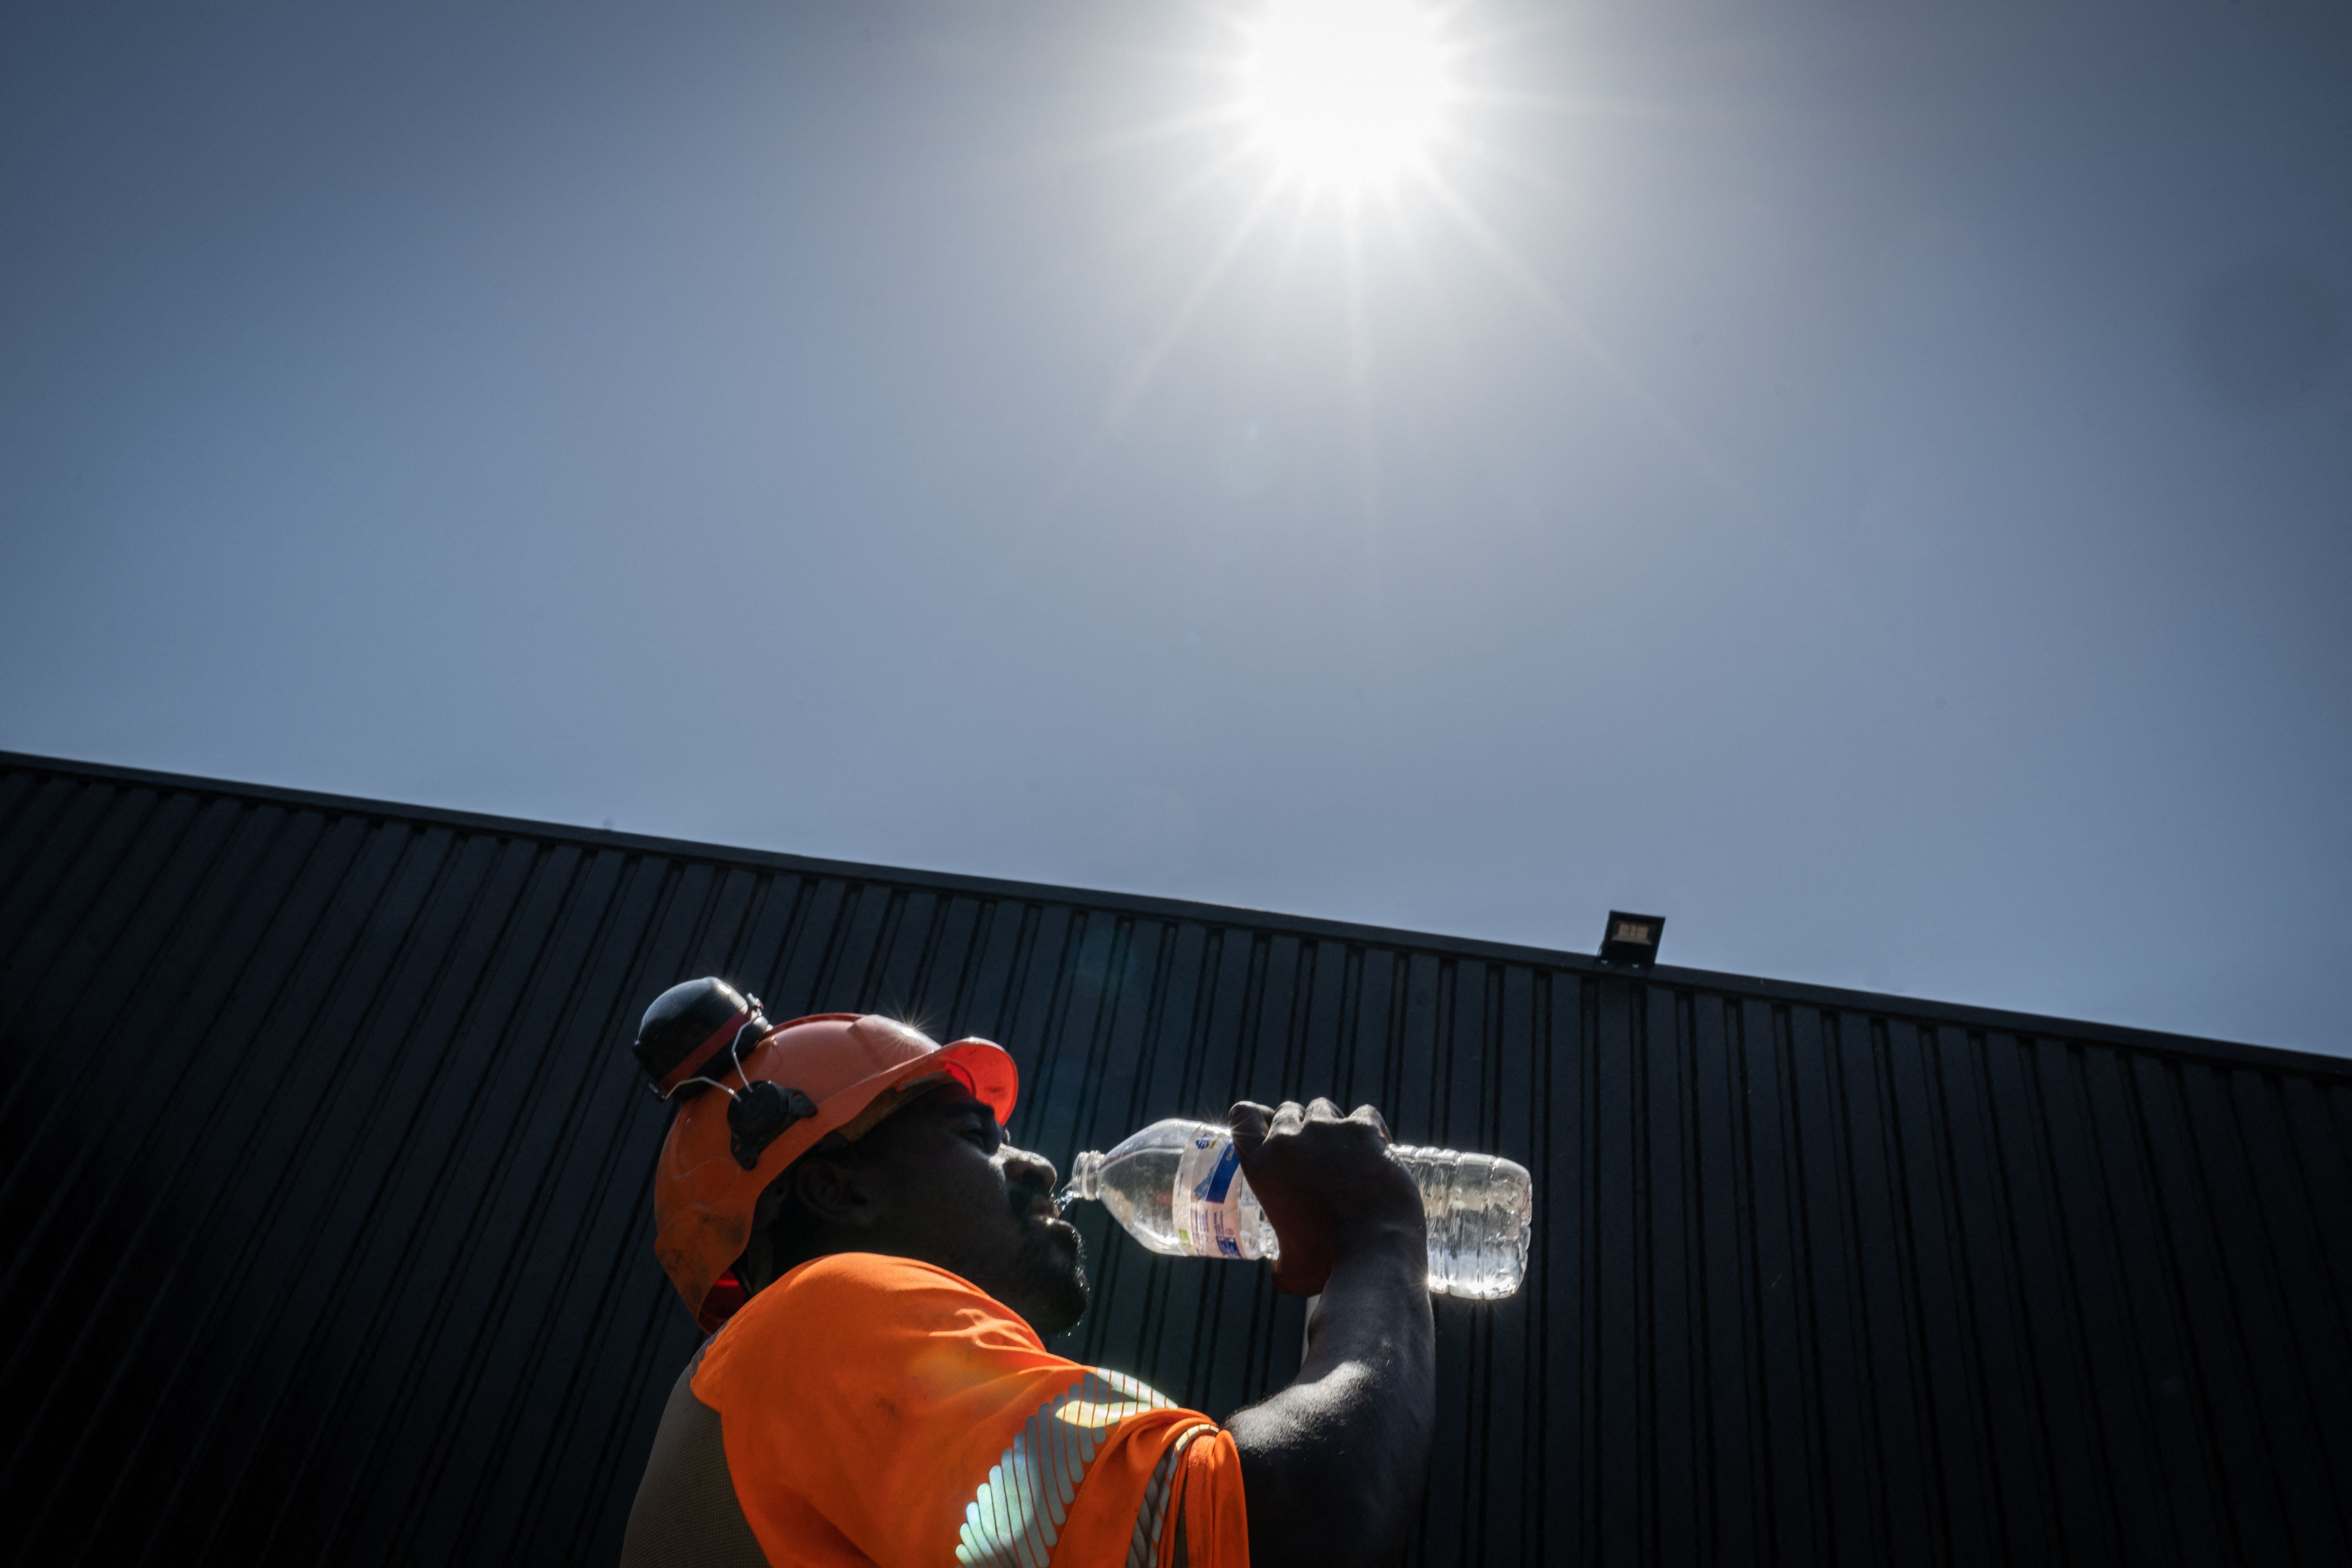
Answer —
1873 484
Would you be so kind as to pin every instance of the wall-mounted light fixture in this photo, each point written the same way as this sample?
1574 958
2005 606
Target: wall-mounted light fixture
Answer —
1632 940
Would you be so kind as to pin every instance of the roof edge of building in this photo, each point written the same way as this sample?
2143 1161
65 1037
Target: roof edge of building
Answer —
1829 997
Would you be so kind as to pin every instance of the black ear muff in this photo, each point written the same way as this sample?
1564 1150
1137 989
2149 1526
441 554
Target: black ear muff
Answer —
760 1115
692 1033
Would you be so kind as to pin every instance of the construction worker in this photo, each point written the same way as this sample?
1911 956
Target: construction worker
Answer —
877 1270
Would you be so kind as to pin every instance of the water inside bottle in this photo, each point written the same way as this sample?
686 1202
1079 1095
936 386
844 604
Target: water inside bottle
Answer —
1479 1208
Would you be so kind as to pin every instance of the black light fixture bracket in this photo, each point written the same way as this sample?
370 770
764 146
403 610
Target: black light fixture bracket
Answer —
1631 942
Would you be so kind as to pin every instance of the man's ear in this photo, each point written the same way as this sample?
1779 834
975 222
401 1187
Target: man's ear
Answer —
836 1192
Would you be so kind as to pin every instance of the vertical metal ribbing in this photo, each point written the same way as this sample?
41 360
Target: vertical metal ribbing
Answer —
1829 1264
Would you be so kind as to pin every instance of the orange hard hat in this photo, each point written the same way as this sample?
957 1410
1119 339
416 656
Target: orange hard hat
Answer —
755 1097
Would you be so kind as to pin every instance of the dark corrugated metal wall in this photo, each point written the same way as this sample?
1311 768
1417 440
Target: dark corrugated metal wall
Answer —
327 1240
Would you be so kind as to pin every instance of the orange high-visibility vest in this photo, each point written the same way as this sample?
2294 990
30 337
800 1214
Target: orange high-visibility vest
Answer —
879 1411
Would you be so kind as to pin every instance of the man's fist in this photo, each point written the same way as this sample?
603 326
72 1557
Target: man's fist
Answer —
1327 1184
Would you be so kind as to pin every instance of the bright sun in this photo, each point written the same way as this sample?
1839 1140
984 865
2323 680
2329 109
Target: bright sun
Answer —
1344 93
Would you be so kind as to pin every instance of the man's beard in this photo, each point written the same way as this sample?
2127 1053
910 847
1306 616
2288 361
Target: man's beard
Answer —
1051 1270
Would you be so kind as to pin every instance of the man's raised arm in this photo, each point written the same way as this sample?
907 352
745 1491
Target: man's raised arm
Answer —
1334 1466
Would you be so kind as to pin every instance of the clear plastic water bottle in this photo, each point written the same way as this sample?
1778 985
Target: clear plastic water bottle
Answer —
1176 1187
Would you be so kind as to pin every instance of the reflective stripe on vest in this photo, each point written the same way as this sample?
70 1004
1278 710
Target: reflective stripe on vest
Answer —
1016 1515
1143 1546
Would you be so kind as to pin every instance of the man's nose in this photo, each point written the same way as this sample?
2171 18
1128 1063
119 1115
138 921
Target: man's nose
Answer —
1028 1169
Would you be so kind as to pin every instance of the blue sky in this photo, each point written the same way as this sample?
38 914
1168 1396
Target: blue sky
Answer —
1872 485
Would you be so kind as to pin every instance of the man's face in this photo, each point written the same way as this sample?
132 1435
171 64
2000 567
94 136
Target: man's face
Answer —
954 1194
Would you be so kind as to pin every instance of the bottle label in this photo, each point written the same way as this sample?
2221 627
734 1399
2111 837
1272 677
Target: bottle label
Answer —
1208 1204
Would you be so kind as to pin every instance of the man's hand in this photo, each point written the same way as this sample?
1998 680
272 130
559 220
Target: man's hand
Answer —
1327 1184
1334 1465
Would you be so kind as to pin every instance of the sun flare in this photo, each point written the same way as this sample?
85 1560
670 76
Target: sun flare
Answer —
1344 93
